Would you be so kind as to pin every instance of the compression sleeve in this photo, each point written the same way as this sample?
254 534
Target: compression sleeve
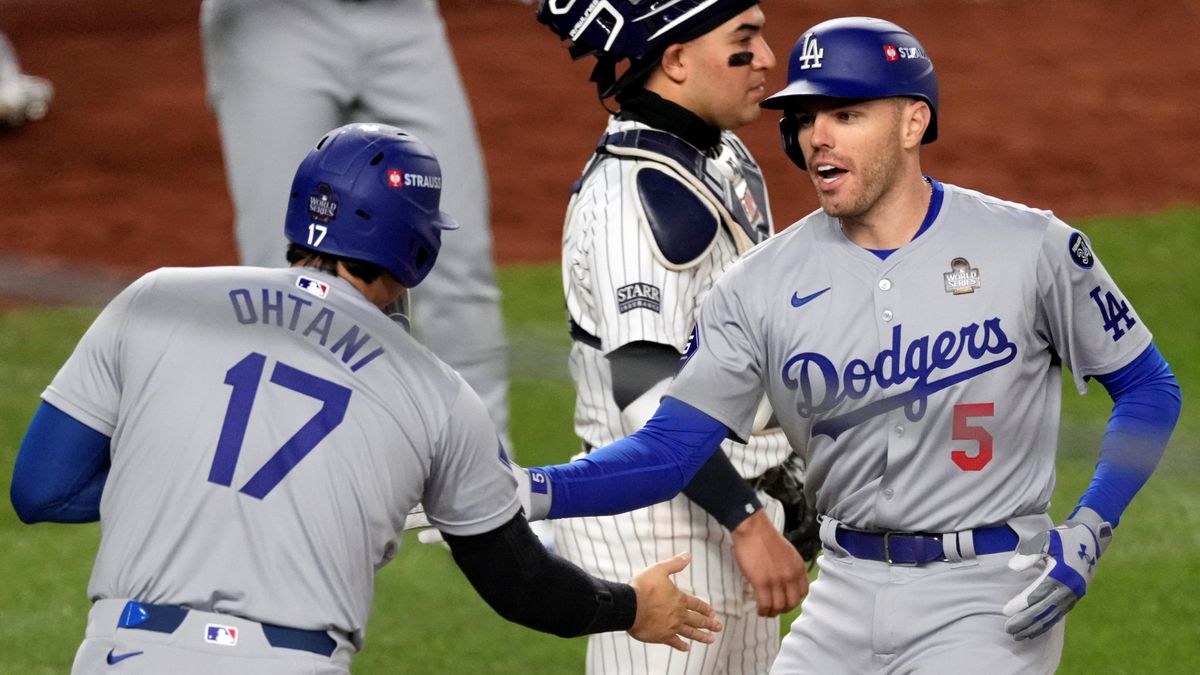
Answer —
1146 403
649 466
524 583
60 470
637 369
721 491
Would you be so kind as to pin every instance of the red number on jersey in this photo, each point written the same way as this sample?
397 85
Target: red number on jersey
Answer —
966 432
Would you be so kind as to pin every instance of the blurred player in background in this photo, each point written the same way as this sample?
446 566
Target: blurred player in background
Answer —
252 439
23 98
670 198
282 72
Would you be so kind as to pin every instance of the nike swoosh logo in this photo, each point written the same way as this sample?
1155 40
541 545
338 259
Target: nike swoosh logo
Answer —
798 301
114 659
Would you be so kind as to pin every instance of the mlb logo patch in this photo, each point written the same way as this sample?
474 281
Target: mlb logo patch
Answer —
215 633
315 286
395 178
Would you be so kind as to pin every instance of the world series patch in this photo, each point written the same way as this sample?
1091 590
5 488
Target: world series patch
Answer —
1081 253
639 296
962 278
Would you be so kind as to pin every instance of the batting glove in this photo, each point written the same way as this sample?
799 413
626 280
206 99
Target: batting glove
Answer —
1069 554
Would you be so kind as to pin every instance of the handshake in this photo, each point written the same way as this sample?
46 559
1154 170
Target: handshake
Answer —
664 614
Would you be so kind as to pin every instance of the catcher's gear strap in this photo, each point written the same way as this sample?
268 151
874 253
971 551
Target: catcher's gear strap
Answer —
60 471
1146 407
524 583
745 216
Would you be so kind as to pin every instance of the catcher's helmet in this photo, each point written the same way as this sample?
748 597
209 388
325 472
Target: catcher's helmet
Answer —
638 30
855 58
370 192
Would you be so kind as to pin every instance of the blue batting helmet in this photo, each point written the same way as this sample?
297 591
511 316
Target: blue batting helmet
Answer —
370 192
637 30
855 58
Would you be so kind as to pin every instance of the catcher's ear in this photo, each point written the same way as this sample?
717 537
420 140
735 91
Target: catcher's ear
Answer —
673 63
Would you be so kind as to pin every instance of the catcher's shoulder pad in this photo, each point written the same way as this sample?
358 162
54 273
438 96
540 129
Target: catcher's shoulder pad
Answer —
684 225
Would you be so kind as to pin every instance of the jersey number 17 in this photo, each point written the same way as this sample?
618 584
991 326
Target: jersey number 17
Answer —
244 377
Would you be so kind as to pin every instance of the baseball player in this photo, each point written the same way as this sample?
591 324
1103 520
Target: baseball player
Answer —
283 72
666 203
252 439
910 336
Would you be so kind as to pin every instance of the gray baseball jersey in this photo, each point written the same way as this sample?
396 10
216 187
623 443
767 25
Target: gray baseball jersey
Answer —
270 431
282 73
924 389
621 287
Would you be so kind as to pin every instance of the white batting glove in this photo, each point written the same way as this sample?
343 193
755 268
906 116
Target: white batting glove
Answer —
1069 554
533 491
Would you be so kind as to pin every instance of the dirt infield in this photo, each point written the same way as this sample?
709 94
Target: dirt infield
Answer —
1082 107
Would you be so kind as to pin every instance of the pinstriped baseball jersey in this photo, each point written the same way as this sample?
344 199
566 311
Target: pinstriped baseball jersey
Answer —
620 290
270 431
621 287
924 390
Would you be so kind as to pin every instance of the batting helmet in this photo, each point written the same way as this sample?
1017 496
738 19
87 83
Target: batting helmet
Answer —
370 192
638 30
855 58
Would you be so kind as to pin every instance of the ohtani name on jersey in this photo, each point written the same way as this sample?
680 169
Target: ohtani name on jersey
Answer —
821 386
297 314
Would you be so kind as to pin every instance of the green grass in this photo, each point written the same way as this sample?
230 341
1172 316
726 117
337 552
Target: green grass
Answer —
1140 616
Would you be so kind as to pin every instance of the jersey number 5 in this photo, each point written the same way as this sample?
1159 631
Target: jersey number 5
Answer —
963 412
244 378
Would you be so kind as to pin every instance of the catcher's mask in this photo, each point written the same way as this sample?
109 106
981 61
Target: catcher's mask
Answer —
370 192
635 30
854 58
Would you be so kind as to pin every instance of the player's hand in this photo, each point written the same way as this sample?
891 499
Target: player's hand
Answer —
667 615
771 564
1069 554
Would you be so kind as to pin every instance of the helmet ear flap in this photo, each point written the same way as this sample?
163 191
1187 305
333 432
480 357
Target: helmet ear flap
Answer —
789 134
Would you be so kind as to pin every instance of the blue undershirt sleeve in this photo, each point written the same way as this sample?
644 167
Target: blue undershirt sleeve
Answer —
60 470
1146 403
649 466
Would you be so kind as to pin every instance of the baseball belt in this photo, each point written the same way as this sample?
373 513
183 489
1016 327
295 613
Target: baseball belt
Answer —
168 618
919 548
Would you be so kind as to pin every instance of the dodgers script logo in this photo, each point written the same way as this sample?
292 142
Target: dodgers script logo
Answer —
820 387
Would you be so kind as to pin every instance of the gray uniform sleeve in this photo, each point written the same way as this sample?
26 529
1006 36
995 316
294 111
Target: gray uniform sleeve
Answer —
470 488
88 386
1088 320
722 374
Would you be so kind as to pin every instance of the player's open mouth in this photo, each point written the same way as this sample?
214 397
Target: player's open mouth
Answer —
829 174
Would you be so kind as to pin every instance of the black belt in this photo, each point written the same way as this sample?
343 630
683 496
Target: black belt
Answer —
167 618
918 548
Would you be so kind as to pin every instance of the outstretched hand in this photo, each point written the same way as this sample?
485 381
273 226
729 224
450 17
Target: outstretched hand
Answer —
771 564
667 615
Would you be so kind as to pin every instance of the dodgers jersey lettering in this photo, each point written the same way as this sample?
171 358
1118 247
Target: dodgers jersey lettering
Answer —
297 387
926 376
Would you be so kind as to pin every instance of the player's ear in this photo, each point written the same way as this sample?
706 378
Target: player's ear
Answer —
915 117
674 63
